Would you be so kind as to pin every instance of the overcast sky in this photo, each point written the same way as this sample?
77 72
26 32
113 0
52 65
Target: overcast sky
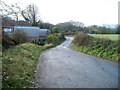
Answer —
87 11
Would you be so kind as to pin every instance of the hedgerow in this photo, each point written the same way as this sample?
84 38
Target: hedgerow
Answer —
103 48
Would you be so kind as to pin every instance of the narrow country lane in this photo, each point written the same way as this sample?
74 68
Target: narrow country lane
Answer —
63 67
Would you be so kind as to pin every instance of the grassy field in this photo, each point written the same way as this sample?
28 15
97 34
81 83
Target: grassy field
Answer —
19 64
107 36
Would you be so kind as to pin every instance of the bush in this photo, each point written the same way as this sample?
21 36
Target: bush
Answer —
62 36
55 30
40 41
52 38
103 48
34 42
19 36
55 38
83 40
7 41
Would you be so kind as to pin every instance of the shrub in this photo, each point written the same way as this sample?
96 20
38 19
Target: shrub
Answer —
19 36
52 38
34 41
55 38
103 48
62 36
55 30
7 41
83 40
41 41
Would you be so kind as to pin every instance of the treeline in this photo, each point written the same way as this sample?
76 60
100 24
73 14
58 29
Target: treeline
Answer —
94 29
70 28
66 28
73 28
31 18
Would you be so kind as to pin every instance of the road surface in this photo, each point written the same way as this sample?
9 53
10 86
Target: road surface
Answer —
63 67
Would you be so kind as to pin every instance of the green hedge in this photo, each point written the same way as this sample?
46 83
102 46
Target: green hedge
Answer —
103 48
55 38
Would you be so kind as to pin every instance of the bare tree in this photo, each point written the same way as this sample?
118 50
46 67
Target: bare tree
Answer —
31 14
10 10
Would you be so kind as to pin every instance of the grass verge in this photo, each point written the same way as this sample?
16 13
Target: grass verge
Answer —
102 48
19 64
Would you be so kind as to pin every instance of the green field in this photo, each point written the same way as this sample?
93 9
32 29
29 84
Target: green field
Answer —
107 36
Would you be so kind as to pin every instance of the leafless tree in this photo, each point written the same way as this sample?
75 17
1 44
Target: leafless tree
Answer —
31 14
10 10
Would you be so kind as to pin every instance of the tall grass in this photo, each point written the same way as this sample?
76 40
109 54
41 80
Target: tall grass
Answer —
19 64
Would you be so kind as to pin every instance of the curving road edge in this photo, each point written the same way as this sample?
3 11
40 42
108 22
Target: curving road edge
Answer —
63 67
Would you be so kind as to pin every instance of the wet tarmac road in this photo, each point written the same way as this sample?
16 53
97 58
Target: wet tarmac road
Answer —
63 67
